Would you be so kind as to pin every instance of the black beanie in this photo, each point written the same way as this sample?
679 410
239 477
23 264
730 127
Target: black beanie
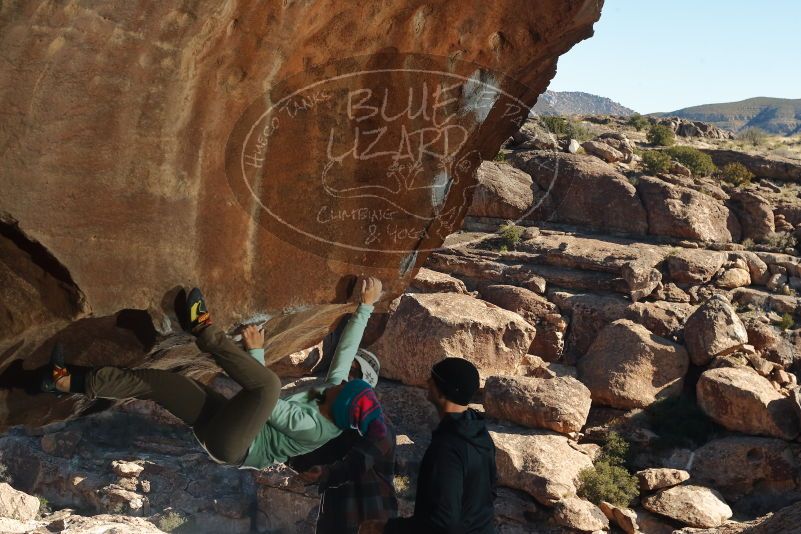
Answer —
457 379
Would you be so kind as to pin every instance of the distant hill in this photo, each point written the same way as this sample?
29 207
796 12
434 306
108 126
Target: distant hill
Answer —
780 116
576 103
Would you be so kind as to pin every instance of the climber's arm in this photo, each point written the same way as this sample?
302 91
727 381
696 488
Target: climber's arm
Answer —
370 292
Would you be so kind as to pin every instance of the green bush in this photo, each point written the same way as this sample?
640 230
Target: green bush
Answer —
44 506
500 156
660 135
606 482
736 174
787 322
510 235
679 422
655 161
555 124
577 131
638 122
565 127
781 240
699 163
170 521
615 450
753 136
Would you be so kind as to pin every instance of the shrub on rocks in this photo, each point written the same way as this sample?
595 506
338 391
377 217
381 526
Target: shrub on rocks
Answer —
661 135
753 136
568 128
698 162
608 480
736 174
655 161
638 122
510 235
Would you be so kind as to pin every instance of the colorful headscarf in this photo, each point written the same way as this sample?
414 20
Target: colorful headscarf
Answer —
356 407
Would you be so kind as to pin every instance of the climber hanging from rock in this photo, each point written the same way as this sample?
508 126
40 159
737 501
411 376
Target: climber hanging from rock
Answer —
255 428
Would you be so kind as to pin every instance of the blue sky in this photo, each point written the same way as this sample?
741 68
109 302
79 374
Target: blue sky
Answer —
666 55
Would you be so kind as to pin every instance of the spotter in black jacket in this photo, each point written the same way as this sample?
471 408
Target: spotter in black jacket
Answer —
456 484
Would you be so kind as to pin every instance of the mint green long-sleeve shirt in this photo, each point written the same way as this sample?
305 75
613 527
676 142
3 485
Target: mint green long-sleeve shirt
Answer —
296 425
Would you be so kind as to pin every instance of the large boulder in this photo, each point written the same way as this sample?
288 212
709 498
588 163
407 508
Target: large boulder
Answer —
580 515
242 149
428 281
694 266
714 329
17 504
734 278
785 521
770 342
755 214
589 314
604 151
740 399
770 167
424 328
624 518
757 268
583 191
543 464
542 314
665 319
695 506
676 211
629 367
740 466
641 278
502 192
657 478
561 403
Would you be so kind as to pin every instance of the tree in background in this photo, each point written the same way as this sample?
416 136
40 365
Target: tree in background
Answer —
753 136
661 135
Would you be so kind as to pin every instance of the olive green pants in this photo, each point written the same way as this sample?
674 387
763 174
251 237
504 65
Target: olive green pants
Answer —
225 427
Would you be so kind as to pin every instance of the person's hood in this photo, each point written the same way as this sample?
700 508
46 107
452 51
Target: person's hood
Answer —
469 426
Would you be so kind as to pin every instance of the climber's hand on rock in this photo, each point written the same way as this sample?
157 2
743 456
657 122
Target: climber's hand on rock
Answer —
253 337
370 290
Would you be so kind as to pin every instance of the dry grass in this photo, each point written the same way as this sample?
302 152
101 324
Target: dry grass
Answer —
774 145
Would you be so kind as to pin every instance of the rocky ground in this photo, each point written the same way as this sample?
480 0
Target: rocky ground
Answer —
657 309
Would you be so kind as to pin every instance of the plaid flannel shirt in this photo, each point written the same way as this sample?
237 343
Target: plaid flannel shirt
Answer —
359 481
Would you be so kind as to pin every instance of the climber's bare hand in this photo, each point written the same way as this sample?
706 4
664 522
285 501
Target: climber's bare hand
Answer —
370 290
253 337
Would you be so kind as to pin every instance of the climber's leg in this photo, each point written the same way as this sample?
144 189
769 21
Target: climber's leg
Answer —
228 434
183 397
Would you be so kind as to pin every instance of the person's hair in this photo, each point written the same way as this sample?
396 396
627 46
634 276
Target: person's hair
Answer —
456 379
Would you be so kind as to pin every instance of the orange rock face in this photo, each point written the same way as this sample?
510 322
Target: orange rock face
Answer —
264 150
